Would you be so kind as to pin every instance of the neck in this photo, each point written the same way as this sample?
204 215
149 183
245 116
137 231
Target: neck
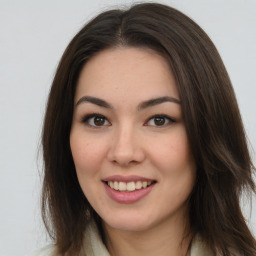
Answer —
163 239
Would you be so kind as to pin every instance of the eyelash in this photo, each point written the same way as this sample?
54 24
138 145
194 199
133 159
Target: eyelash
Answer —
168 120
87 118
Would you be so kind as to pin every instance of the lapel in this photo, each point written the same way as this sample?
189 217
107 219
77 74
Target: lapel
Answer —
198 248
93 245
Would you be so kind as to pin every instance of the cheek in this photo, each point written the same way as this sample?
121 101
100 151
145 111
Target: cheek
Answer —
172 152
173 159
87 153
88 156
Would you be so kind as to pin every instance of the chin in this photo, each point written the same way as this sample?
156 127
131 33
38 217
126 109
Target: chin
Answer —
128 222
129 226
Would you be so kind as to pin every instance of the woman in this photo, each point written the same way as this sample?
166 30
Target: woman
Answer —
144 147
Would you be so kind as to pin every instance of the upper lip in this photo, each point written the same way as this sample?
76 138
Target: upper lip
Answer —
126 178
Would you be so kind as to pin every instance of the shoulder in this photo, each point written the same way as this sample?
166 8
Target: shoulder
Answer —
46 251
199 248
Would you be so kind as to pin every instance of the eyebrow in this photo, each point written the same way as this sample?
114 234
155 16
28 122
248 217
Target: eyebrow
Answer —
156 101
94 100
141 106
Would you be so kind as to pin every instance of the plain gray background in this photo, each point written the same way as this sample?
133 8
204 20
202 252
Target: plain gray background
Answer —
33 36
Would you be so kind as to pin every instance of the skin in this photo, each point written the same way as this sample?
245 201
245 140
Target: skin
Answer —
128 140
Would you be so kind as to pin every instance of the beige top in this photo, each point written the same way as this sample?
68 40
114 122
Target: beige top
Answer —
95 247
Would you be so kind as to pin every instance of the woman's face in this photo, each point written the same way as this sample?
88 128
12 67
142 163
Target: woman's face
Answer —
129 142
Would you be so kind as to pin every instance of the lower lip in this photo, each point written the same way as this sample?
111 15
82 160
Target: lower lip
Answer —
128 197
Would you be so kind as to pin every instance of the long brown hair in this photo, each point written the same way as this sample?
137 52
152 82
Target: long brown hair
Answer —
211 115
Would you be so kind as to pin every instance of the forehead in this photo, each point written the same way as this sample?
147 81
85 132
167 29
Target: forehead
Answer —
126 72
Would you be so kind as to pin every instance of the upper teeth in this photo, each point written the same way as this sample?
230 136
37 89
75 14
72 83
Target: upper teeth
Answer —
128 186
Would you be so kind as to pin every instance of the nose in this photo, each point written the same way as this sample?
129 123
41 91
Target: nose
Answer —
126 147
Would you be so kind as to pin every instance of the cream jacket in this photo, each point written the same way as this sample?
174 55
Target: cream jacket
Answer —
95 247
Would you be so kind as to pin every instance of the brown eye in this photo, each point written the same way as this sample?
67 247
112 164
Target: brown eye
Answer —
95 120
98 121
160 121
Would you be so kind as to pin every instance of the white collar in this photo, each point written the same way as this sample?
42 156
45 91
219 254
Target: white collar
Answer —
93 245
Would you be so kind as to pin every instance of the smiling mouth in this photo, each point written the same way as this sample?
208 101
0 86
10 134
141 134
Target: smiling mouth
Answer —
129 186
